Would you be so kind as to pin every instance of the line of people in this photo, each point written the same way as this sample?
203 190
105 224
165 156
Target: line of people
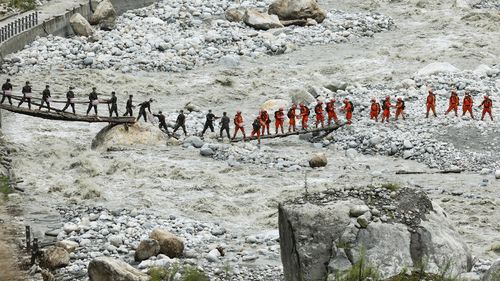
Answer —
261 123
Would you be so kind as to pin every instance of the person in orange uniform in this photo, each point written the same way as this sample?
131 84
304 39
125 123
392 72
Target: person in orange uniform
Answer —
238 125
431 104
386 107
280 119
374 110
265 121
400 108
487 105
320 118
454 102
304 114
330 110
348 109
467 105
256 128
292 114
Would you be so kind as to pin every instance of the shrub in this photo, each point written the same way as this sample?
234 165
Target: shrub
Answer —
193 274
391 186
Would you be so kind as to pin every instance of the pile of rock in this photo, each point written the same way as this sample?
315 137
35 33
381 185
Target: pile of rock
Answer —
101 242
181 35
391 229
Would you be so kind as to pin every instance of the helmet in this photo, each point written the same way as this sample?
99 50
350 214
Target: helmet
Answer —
320 102
151 99
400 98
332 100
159 111
301 104
486 96
281 109
373 100
294 106
238 112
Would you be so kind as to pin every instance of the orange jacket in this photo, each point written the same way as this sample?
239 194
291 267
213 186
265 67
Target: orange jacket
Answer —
264 117
400 105
454 100
280 115
318 109
387 104
468 101
375 107
238 120
431 99
347 107
304 111
487 103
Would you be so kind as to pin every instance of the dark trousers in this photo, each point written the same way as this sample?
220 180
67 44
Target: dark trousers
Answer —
113 109
8 97
23 100
68 104
143 114
128 112
90 107
208 125
222 129
183 126
164 126
46 102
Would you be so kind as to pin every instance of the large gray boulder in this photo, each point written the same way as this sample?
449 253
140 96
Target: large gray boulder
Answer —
80 25
54 257
104 15
109 269
260 20
319 236
146 249
297 9
139 133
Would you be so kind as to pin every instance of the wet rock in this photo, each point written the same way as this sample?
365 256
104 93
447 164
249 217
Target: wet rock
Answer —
318 160
138 133
54 257
69 246
213 255
260 20
297 9
497 174
274 105
234 15
170 244
194 141
104 13
109 269
146 249
80 25
206 151
230 61
70 227
301 96
115 240
358 210
351 153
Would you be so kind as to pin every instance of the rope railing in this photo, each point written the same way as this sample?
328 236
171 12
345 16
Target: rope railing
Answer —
18 25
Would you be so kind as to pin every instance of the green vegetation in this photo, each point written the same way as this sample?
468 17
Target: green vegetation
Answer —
391 186
189 274
361 270
4 186
23 5
193 274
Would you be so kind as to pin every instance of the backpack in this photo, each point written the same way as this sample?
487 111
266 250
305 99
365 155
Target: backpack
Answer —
352 106
403 106
308 112
289 114
276 115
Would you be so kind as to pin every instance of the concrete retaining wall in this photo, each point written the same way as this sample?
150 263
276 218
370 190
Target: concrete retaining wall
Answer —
59 25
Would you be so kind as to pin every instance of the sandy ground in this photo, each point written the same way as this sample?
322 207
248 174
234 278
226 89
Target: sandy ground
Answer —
58 167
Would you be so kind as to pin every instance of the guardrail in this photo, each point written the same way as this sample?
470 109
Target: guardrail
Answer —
17 26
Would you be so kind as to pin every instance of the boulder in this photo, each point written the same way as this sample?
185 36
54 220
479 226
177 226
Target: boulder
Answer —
138 133
274 105
194 141
482 70
466 4
234 15
69 246
109 269
493 274
318 160
358 210
170 244
437 67
54 257
319 230
146 249
104 14
301 96
80 25
497 174
207 151
297 9
260 20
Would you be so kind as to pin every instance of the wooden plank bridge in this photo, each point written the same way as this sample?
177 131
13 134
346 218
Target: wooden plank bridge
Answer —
57 114
318 133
